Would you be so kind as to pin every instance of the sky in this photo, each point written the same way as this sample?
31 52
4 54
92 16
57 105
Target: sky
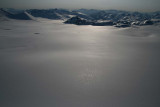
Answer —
130 5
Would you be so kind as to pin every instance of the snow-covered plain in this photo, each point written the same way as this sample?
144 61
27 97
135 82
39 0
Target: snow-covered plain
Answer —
46 63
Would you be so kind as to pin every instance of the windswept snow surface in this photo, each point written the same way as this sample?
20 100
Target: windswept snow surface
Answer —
51 64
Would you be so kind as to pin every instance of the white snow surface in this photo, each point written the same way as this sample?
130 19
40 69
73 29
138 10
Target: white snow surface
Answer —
50 64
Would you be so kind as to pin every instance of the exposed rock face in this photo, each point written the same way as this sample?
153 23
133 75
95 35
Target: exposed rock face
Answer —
103 23
147 22
77 20
122 25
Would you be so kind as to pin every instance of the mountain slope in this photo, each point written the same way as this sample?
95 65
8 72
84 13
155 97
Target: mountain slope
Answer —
18 16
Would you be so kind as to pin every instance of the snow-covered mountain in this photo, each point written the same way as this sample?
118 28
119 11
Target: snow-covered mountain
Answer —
3 15
56 13
13 11
50 14
86 16
87 11
121 18
18 16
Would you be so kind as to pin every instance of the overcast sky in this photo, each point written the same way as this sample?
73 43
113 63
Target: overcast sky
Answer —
133 5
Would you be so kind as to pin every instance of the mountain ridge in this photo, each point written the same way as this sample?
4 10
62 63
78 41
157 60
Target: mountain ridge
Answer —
94 17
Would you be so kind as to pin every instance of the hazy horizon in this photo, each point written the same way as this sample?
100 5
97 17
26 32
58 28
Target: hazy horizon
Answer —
127 5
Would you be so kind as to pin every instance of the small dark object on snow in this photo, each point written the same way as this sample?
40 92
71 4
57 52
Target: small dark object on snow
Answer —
36 33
